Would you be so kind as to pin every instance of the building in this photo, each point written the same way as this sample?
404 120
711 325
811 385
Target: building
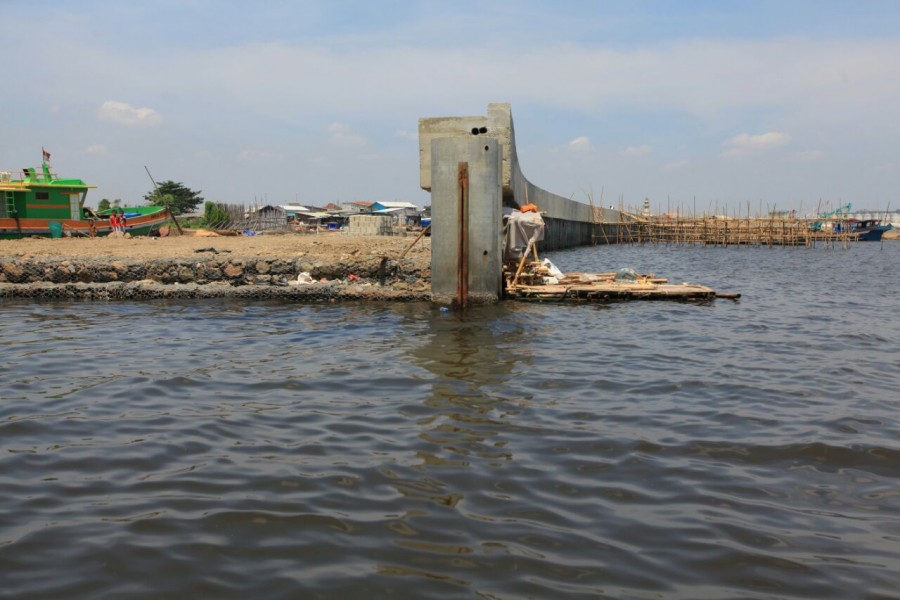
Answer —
291 210
357 207
405 213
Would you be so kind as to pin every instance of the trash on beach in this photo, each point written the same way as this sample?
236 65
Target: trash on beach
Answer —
303 279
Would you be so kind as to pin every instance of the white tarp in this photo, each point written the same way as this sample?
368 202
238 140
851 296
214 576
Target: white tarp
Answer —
521 230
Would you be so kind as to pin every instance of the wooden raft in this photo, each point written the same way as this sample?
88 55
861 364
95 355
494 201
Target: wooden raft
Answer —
528 280
604 287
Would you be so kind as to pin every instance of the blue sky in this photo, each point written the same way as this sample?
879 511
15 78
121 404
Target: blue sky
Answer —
701 105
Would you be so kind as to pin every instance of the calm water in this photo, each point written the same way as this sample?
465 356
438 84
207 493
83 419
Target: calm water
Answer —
635 450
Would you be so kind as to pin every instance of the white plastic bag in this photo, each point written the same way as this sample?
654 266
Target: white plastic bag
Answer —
551 268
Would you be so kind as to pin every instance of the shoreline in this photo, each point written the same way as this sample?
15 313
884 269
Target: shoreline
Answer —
297 267
286 266
314 293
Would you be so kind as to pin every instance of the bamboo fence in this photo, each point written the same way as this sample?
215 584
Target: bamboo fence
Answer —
721 231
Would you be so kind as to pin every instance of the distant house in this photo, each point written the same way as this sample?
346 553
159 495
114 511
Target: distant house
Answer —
357 207
406 213
292 211
382 206
264 217
316 219
267 211
294 208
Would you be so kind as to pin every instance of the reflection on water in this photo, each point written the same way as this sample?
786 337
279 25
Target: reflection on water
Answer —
631 450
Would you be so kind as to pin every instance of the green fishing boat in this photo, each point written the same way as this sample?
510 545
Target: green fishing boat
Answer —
36 202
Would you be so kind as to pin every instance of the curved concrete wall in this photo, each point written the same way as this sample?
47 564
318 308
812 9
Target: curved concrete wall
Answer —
569 223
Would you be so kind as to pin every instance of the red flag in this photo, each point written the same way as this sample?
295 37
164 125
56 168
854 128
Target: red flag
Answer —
46 154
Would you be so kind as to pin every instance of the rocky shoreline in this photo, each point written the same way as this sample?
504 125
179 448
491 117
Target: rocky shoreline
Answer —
207 272
328 292
178 278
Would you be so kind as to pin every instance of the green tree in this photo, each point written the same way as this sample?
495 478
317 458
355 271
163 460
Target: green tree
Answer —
177 197
106 204
214 215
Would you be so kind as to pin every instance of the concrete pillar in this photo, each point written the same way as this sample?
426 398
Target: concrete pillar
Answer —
483 222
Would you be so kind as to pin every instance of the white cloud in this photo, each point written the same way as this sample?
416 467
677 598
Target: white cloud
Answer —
125 114
97 149
695 92
580 144
641 150
807 155
259 156
341 135
407 135
746 143
676 165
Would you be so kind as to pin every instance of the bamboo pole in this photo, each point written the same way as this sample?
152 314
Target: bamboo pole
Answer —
525 254
419 237
169 210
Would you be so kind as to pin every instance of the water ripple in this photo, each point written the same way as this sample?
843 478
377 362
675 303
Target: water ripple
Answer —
628 451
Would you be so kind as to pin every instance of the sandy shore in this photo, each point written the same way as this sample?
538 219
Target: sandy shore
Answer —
330 247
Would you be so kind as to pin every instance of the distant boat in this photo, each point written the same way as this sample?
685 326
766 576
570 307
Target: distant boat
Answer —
36 202
862 230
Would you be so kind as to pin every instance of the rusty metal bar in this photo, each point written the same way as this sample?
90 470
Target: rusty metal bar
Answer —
462 266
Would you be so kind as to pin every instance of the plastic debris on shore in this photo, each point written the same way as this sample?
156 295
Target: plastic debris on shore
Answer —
303 279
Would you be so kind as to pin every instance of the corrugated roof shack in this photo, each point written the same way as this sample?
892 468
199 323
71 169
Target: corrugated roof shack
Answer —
406 212
405 215
264 218
357 207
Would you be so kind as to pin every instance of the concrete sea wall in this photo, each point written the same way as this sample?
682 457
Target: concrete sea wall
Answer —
569 222
470 166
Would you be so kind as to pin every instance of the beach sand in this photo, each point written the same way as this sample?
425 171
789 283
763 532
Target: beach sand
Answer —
325 247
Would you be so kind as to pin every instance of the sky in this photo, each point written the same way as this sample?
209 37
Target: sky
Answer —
708 107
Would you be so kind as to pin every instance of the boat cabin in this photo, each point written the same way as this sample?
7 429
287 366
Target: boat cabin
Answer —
39 194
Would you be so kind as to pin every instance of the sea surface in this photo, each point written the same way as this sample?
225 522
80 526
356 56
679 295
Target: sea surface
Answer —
223 449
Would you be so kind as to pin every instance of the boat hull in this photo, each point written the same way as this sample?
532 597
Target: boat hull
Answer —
22 228
872 235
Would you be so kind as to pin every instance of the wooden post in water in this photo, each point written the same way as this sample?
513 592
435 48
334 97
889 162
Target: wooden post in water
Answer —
462 267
